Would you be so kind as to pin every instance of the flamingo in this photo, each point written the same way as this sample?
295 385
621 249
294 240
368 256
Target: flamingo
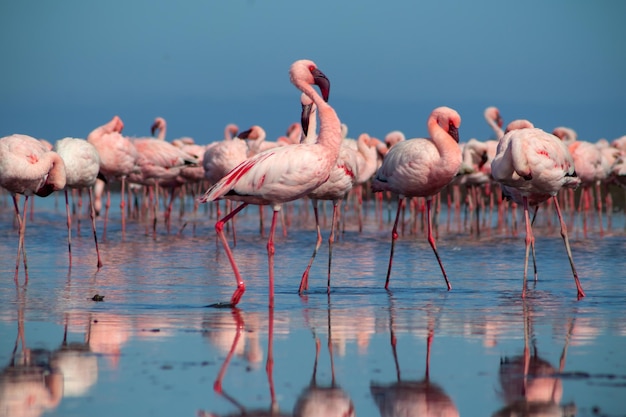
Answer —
494 119
342 178
590 168
27 167
82 167
532 165
422 168
160 165
284 173
118 159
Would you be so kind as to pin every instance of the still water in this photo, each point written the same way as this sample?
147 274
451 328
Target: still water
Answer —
152 347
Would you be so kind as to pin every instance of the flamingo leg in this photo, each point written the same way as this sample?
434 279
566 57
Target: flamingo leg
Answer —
270 256
122 205
530 241
431 240
92 214
304 281
331 239
269 364
69 226
579 288
219 228
394 237
19 244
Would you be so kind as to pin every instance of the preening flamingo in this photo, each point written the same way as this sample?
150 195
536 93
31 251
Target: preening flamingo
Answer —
284 173
29 168
118 159
82 167
532 166
422 168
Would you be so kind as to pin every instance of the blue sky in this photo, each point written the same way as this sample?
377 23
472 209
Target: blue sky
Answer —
69 66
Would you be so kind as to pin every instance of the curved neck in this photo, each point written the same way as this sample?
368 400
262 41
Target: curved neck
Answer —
330 126
445 144
56 179
494 125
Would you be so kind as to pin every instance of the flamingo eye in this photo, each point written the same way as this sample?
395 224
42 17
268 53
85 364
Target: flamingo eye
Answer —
311 68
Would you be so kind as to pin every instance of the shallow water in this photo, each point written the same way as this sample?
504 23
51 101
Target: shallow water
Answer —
152 347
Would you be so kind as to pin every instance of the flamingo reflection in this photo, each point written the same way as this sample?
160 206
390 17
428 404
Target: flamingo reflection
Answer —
328 401
530 384
412 398
273 410
29 385
76 361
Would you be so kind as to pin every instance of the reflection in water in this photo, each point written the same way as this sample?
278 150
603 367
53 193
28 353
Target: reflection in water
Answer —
29 385
327 401
273 410
530 384
220 332
412 398
77 363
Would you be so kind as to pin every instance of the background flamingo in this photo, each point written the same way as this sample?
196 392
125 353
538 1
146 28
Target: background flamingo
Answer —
118 159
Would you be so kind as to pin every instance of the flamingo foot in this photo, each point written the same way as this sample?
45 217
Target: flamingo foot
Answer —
241 288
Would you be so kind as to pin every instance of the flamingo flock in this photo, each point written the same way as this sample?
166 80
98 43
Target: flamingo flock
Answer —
523 165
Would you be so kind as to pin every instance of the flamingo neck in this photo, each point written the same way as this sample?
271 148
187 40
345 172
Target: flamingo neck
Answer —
448 148
330 126
56 179
497 129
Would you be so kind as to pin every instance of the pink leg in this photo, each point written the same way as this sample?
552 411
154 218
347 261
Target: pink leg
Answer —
394 237
269 364
217 385
20 239
69 226
122 205
92 214
270 257
579 287
431 240
304 281
219 228
331 239
530 241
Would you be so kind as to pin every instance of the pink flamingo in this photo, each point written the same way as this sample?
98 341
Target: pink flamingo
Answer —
27 167
532 166
422 168
494 119
82 167
118 159
589 168
341 180
284 173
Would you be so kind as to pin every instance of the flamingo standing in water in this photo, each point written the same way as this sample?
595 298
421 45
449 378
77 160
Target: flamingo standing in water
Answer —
342 178
284 173
28 167
118 159
532 165
82 167
422 168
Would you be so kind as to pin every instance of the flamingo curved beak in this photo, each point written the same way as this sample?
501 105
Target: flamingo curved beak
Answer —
322 82
304 118
454 132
